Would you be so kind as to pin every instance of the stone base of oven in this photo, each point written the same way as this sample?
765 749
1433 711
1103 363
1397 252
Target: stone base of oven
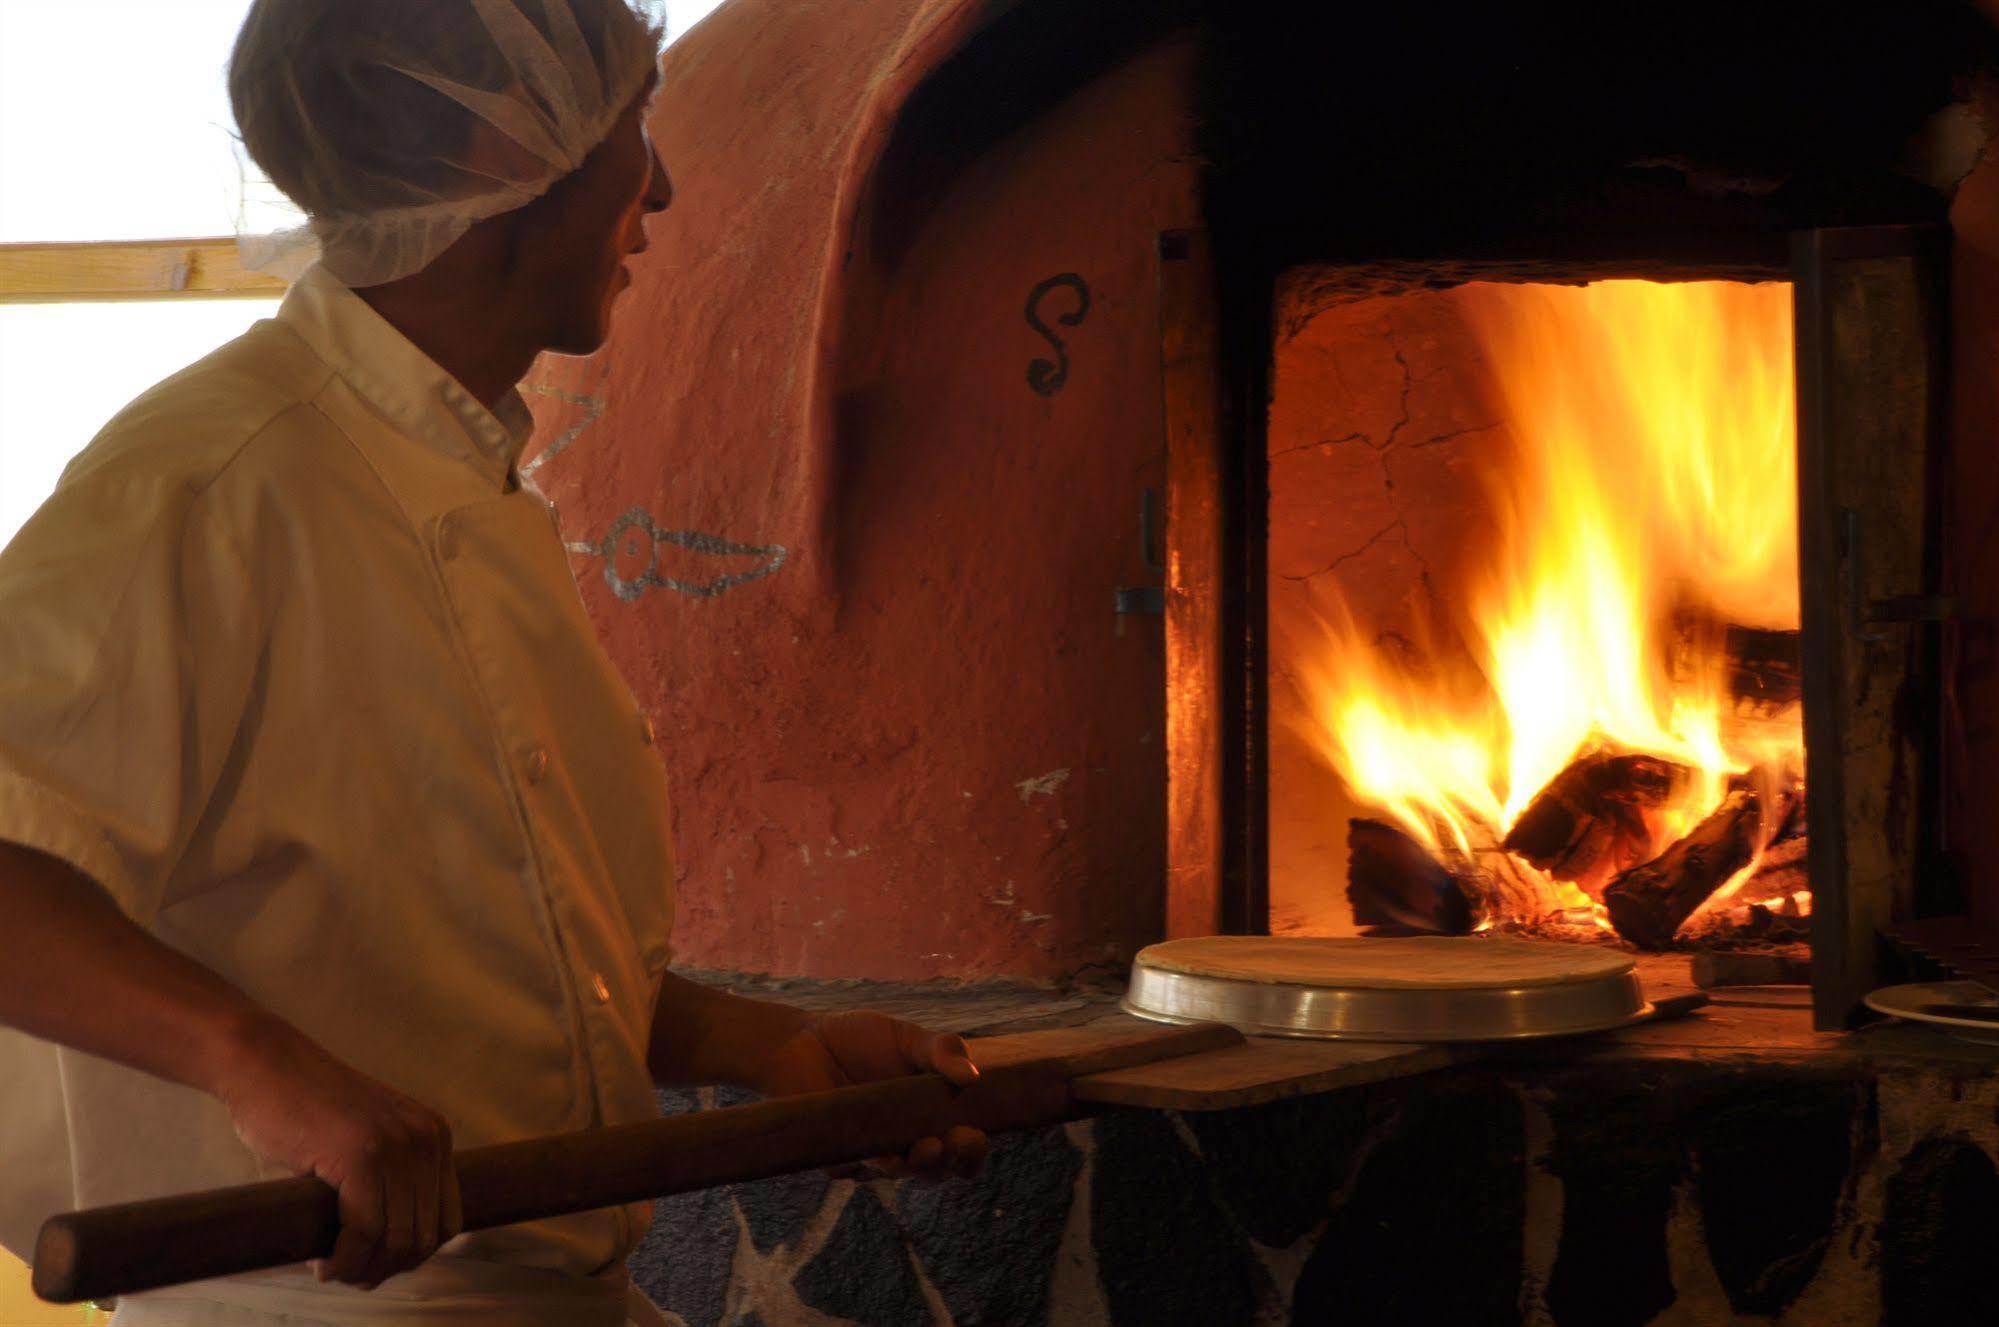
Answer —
1643 1190
1596 1196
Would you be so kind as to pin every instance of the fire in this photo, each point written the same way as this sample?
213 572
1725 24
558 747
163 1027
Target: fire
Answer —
1649 483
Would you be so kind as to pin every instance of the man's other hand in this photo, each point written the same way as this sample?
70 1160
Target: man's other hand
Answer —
835 1050
388 1156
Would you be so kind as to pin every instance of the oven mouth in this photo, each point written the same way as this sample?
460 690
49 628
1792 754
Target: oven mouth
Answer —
1533 609
1868 374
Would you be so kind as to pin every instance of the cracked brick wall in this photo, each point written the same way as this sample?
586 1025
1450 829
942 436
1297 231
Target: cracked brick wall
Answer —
1647 1194
1379 423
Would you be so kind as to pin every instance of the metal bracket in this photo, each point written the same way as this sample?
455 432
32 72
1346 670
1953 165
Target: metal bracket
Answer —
1862 617
1146 598
1142 599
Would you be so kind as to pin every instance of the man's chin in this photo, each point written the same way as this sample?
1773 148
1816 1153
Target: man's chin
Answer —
582 340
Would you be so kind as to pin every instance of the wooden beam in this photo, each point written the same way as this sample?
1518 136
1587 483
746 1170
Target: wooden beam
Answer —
1870 338
1195 834
129 270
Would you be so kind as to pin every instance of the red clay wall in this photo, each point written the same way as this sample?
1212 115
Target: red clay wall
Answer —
914 741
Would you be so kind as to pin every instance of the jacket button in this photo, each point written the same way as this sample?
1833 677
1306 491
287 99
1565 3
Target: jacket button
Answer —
646 729
537 764
600 988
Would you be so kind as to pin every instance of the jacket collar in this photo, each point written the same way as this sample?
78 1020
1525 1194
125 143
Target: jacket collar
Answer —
408 389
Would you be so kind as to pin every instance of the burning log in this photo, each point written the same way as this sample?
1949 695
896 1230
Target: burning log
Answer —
1780 874
1590 822
1648 903
1765 667
1782 870
1507 890
1395 884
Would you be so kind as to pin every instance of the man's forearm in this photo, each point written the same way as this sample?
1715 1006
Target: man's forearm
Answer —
704 1035
79 972
75 970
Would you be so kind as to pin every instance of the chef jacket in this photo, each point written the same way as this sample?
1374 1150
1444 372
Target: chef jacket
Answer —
294 667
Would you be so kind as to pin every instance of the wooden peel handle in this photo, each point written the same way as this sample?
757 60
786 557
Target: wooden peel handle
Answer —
110 1251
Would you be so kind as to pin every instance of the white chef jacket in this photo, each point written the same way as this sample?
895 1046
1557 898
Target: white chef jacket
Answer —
294 667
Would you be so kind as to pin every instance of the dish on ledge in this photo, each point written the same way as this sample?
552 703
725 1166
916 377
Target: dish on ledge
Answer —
1927 1001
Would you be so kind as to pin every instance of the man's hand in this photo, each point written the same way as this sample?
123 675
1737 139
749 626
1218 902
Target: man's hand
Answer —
704 1035
835 1050
388 1156
79 972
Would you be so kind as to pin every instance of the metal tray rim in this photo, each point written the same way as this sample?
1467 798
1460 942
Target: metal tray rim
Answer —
1404 1014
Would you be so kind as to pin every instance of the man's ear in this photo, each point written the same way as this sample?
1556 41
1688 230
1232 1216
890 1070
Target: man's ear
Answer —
520 236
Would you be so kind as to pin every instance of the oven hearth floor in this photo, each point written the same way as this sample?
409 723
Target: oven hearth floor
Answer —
1744 1026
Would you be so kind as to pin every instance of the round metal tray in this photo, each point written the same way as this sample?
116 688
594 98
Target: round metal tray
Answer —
1351 1013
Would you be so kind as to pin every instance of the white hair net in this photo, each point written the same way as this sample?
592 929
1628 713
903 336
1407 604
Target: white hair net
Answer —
397 124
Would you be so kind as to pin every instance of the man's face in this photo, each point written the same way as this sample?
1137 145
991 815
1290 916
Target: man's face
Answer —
596 223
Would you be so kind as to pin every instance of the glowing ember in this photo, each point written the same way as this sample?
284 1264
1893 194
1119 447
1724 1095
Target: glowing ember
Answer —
1649 483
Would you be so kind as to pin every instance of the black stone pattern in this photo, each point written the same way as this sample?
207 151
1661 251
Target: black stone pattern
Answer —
776 1211
1166 1251
1430 1229
864 1274
1772 1157
1276 1167
1939 1234
1618 1162
990 1247
685 1260
1402 1202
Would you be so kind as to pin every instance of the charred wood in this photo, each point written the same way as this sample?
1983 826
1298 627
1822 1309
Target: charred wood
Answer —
1590 822
1780 874
1782 870
1715 968
1781 922
1781 788
1506 888
1396 885
1649 903
1766 668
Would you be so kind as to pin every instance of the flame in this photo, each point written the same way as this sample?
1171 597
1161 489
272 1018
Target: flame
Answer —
1651 476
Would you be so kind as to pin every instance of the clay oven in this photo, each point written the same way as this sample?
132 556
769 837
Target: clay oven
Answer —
983 331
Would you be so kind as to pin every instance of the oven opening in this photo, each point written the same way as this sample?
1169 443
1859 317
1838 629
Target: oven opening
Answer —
1533 602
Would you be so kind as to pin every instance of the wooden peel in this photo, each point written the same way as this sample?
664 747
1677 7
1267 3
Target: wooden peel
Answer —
109 1251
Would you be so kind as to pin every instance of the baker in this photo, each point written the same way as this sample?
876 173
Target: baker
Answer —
329 838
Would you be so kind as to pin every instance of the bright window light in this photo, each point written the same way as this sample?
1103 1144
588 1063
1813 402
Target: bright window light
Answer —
80 161
65 369
684 14
121 140
133 139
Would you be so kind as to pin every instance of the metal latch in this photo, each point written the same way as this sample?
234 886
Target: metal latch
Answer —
1145 598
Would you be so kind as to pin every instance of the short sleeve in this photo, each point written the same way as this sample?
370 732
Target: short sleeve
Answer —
126 652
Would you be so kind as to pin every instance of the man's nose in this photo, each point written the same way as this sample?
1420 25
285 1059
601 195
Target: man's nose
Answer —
659 186
656 199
